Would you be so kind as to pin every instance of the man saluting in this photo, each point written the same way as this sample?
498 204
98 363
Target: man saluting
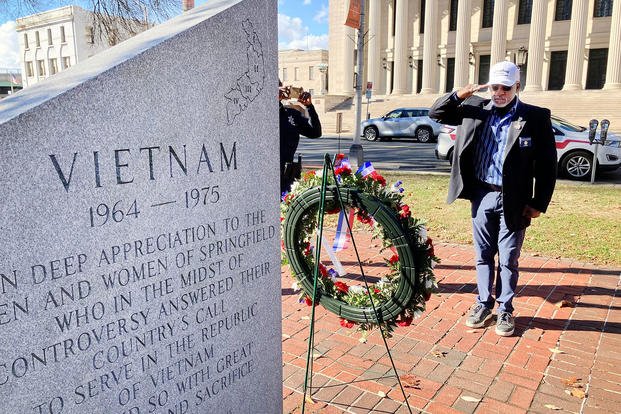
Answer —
504 162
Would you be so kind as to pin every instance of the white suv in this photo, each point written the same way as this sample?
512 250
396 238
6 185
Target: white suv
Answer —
574 151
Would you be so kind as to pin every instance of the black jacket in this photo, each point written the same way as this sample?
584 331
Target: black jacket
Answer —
292 125
530 156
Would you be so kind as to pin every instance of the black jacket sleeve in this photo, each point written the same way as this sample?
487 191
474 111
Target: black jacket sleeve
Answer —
447 110
545 164
312 130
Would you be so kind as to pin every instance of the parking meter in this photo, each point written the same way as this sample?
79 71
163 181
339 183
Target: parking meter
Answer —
604 130
592 129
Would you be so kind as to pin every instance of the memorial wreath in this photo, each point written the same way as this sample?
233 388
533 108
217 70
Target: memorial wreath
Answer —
400 295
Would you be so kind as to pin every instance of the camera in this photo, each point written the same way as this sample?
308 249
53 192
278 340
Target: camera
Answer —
295 92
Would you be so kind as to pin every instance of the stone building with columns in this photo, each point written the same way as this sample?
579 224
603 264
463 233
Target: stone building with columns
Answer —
305 68
422 47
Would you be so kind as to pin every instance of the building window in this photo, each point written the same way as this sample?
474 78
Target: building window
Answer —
525 11
563 10
558 65
53 66
26 46
488 13
311 73
450 74
41 67
66 62
62 35
37 39
29 70
284 74
483 69
453 16
296 74
596 72
419 75
49 37
602 8
421 28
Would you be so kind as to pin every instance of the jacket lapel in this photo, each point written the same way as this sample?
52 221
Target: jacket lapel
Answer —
515 129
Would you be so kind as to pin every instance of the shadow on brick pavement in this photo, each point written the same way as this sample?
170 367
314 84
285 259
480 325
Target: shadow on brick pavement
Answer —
566 344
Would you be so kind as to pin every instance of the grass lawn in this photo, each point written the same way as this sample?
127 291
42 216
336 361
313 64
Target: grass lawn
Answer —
583 222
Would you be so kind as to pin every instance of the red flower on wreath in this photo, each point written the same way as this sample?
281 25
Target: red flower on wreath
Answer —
307 249
430 249
405 211
347 324
341 287
364 218
343 170
405 320
323 270
308 301
394 259
309 175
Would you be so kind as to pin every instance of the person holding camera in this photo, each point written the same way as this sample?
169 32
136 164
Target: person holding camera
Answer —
293 124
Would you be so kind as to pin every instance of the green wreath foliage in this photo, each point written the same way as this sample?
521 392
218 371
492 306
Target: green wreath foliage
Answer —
400 295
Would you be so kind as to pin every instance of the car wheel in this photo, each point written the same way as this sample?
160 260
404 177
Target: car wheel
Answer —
449 156
371 133
577 165
424 134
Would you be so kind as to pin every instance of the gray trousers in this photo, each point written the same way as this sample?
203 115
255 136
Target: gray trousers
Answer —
492 236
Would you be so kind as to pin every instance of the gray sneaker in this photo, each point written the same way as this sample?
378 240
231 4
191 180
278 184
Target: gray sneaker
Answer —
478 316
505 324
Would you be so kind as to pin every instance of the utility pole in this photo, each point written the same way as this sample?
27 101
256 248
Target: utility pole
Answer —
355 151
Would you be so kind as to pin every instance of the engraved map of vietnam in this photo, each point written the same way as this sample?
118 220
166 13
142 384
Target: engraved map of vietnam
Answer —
249 85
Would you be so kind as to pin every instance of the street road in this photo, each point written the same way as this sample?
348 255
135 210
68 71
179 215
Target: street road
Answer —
403 154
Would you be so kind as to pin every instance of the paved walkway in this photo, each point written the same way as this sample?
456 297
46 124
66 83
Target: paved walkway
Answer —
555 351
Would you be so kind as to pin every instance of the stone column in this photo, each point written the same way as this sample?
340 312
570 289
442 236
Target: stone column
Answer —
323 70
462 43
536 45
401 53
613 67
499 32
373 51
577 41
430 48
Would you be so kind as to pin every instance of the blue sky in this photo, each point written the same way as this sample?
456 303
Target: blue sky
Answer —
302 24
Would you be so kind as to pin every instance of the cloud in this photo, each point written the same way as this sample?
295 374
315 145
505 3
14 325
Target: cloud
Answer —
9 47
322 14
307 2
293 34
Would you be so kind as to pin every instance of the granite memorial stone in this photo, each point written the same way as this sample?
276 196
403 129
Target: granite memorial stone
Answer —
139 241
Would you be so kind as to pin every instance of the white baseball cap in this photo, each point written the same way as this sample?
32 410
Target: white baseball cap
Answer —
504 73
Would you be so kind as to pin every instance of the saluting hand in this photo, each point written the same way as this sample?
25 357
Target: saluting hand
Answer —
469 90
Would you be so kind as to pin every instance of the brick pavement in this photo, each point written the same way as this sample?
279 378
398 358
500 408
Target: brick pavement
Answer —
554 351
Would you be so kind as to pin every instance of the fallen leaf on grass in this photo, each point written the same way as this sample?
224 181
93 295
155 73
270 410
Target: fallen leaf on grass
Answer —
552 407
556 351
381 394
470 399
572 382
410 381
565 304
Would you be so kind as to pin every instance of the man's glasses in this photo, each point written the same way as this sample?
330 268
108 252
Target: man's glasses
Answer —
503 87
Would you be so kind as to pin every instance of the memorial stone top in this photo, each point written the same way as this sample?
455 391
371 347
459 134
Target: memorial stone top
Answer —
139 242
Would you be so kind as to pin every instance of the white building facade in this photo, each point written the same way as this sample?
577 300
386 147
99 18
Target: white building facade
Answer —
55 40
435 46
304 68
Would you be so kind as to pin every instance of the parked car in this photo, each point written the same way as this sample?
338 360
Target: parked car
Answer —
402 122
574 151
